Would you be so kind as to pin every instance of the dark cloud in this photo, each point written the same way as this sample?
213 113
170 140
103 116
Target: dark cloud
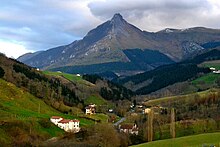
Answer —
43 24
154 15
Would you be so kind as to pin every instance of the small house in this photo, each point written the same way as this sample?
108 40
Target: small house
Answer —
90 109
110 110
212 68
216 71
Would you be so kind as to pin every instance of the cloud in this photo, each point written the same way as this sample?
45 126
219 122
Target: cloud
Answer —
154 15
43 24
12 49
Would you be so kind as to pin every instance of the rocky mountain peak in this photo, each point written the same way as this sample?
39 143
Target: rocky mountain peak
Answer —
117 16
117 19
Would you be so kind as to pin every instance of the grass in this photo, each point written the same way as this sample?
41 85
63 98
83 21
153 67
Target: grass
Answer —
70 77
188 141
171 99
215 64
19 106
95 99
207 79
100 116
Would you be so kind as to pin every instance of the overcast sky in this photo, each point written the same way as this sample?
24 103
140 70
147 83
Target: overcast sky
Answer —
34 25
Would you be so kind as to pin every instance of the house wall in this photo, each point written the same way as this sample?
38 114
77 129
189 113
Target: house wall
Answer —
55 121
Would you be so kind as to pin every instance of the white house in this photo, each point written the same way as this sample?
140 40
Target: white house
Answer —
90 109
66 124
216 71
212 68
55 119
74 125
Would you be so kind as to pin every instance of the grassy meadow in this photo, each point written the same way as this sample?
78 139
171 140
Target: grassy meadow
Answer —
23 115
202 140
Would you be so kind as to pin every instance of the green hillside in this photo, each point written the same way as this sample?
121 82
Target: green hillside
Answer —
215 64
71 77
208 80
25 117
173 99
192 141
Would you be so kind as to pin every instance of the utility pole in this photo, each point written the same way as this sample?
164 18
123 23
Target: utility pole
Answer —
172 124
150 126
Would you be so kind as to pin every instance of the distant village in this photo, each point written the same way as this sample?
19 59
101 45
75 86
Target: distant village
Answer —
73 125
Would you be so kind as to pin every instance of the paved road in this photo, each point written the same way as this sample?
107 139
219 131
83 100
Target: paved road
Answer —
120 121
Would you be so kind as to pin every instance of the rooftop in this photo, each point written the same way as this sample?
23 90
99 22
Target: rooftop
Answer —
56 117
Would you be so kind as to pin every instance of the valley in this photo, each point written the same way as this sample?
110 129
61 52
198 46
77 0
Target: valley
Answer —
117 86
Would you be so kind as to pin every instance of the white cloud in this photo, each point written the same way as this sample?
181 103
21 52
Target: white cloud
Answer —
12 49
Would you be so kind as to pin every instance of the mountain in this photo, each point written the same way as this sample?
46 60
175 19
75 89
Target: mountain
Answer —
110 46
28 56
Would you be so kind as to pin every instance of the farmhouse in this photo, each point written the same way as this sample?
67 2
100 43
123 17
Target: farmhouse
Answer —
66 124
129 128
90 109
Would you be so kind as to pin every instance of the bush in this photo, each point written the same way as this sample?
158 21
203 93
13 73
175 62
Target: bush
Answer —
2 72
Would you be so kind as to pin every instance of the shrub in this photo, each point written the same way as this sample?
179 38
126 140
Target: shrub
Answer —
2 72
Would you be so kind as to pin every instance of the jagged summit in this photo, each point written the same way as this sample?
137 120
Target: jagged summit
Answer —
117 16
118 20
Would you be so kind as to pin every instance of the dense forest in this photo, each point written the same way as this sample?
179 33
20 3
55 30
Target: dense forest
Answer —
163 76
42 86
112 91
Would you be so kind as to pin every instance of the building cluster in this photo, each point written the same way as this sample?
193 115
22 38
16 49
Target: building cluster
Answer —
66 124
129 128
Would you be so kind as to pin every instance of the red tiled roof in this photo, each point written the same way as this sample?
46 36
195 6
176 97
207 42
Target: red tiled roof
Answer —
75 120
56 117
68 120
64 121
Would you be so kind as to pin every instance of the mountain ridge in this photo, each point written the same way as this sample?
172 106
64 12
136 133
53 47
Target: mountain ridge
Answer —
107 42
